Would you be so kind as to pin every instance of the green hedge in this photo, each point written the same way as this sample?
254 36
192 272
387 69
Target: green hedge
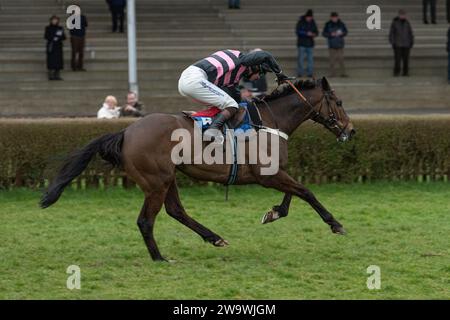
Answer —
384 149
395 148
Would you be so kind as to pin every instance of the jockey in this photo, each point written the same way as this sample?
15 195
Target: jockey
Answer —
214 80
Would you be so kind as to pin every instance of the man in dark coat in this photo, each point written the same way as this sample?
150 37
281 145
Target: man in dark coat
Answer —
432 5
335 31
448 53
54 34
78 40
448 11
306 32
401 38
117 8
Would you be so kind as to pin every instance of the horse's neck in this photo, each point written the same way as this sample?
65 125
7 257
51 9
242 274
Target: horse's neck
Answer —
285 113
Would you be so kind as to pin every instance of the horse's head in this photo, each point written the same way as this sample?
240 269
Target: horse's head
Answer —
331 114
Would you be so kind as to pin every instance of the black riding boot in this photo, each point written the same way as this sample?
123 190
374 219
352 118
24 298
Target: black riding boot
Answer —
214 129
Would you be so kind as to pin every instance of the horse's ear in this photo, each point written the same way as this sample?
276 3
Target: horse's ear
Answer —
325 84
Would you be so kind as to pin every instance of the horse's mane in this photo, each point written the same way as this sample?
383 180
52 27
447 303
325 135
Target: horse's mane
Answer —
286 89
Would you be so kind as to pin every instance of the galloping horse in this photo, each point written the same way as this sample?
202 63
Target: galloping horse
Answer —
143 150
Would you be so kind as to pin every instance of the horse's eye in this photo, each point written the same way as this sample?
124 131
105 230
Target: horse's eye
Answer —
339 103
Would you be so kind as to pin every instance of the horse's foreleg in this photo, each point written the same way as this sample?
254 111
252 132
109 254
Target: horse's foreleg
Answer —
146 220
175 209
284 183
278 212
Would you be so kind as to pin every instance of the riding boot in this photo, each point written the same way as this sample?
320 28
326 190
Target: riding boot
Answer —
214 129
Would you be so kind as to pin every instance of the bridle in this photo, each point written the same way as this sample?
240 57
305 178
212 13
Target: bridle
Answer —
332 121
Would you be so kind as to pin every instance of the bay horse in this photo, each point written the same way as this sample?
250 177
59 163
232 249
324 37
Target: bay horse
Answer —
143 151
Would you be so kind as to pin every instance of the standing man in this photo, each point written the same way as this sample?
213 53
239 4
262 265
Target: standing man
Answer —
401 38
448 53
117 8
448 10
335 31
78 41
234 4
306 32
54 34
432 5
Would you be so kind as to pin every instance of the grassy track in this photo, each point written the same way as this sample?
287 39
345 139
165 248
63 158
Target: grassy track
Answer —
403 228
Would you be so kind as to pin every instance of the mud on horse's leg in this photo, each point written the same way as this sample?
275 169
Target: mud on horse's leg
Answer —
283 182
278 212
175 209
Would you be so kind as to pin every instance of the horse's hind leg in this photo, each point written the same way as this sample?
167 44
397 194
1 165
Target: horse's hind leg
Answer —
146 220
175 209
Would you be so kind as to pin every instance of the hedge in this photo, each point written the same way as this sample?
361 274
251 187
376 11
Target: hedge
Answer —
384 148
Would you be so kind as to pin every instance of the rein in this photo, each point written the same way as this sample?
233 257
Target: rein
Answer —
303 98
275 131
331 122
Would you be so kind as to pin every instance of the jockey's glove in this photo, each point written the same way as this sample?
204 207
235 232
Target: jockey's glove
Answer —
281 77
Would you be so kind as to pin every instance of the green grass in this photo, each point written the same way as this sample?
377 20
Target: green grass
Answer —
403 228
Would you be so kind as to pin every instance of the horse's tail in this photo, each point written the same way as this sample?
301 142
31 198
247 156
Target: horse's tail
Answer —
109 147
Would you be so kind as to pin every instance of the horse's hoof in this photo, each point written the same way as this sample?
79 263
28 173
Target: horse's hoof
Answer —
221 243
270 216
160 259
338 230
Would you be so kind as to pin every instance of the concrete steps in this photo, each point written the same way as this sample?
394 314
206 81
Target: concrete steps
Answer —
174 33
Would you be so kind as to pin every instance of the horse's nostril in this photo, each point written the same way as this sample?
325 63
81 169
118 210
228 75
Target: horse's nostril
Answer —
352 132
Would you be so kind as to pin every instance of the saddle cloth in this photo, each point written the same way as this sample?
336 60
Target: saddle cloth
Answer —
245 119
241 122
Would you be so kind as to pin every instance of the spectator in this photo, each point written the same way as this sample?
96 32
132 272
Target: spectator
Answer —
109 110
306 32
234 4
77 40
54 34
117 8
335 31
432 5
401 38
133 108
448 53
448 11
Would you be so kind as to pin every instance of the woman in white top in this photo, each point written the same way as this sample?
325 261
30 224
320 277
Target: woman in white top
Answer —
109 110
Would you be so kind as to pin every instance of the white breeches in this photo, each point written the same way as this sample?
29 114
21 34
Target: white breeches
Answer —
194 83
